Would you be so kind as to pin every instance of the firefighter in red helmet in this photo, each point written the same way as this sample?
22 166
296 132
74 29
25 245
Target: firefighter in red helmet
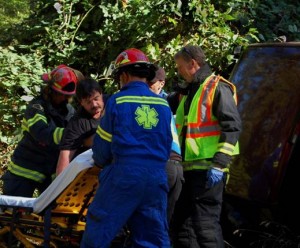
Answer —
129 147
34 160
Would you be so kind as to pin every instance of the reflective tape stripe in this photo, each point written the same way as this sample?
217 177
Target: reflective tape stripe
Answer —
53 176
232 87
103 134
23 172
205 165
57 134
206 99
202 131
196 165
142 100
24 125
226 148
205 125
57 85
35 119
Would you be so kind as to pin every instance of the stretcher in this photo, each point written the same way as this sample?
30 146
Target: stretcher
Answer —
56 218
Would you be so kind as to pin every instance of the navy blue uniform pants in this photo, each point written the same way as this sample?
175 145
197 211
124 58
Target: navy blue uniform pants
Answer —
197 213
175 180
132 195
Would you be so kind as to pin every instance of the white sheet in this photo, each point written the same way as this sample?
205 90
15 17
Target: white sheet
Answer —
81 162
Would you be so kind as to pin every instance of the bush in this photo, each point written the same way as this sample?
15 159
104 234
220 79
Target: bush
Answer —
20 81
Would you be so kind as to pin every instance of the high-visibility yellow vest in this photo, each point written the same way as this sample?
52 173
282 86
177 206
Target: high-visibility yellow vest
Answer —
203 130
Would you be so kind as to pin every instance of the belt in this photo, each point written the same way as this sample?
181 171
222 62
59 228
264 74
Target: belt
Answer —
174 161
202 164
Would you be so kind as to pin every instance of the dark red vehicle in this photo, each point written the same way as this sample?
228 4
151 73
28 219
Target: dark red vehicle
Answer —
266 174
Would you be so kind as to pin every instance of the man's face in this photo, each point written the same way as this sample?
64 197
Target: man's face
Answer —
93 104
157 86
186 69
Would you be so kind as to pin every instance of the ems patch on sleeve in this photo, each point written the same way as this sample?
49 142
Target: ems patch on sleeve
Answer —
38 107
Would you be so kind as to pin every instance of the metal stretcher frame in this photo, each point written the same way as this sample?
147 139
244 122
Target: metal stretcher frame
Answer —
58 214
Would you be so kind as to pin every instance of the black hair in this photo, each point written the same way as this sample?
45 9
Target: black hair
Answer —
141 70
86 87
190 52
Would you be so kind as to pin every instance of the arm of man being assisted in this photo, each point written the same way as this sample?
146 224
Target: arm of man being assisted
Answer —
225 109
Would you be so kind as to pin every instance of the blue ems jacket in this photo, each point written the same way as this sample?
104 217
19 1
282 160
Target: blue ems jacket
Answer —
135 128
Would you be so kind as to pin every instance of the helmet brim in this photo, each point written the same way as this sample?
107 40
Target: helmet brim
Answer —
67 93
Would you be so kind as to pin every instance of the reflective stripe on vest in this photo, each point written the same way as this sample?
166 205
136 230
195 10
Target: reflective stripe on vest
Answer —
23 172
200 165
206 124
203 130
196 165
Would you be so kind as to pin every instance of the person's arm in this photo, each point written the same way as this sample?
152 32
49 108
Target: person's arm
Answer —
73 139
88 142
41 128
225 109
102 153
65 156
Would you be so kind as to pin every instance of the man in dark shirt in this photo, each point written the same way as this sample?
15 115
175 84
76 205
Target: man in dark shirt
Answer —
79 133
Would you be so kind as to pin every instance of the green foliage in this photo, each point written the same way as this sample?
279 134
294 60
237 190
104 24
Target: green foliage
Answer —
20 81
89 34
276 20
12 12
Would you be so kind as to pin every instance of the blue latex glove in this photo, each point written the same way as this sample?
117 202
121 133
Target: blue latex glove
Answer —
214 176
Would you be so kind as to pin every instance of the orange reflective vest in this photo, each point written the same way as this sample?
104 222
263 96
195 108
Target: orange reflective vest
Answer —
203 129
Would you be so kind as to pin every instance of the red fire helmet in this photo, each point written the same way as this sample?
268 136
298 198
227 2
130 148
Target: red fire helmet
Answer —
63 79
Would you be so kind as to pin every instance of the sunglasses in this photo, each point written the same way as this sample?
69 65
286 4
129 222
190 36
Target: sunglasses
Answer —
185 50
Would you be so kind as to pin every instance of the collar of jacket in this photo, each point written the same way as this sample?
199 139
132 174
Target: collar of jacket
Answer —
135 84
199 78
62 110
202 74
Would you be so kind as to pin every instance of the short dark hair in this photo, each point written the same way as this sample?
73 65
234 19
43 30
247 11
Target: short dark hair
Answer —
192 52
86 87
141 70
